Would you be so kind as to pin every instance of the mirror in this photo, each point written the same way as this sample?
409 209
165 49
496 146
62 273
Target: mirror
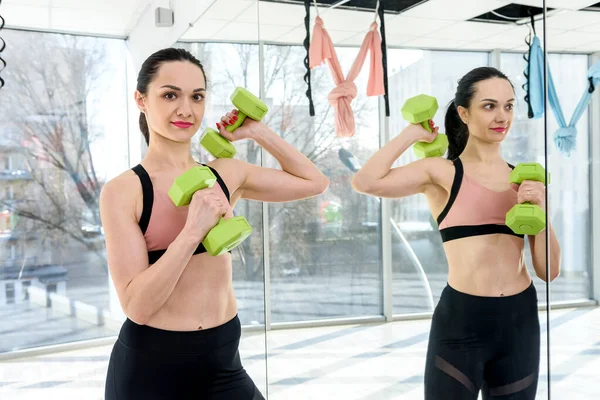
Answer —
352 301
573 62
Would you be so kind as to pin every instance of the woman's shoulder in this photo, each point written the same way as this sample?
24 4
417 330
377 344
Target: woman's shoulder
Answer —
439 166
441 162
124 188
444 170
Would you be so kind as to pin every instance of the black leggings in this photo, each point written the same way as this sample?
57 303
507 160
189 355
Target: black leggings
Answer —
490 344
151 364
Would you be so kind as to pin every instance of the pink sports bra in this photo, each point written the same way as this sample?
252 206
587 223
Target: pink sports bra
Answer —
474 209
161 220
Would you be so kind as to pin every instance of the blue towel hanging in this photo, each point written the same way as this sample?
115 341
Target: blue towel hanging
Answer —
564 137
535 79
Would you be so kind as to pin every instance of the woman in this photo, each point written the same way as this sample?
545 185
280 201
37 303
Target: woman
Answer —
485 331
181 337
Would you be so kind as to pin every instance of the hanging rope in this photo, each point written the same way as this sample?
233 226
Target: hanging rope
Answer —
527 72
2 47
323 51
311 107
380 12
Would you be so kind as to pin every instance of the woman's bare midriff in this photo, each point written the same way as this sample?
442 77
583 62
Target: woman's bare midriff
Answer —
203 297
488 265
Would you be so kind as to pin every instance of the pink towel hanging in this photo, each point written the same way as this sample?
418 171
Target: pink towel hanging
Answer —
321 49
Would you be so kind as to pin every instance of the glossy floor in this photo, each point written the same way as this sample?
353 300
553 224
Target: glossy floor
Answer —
362 362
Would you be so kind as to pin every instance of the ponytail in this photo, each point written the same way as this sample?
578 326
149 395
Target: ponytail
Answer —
144 128
456 131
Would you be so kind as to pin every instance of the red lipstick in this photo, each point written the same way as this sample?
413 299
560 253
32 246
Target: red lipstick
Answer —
182 124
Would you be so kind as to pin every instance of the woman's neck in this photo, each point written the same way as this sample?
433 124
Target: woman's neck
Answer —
165 153
479 151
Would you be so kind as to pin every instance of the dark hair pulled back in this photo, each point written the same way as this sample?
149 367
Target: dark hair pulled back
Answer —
150 69
456 130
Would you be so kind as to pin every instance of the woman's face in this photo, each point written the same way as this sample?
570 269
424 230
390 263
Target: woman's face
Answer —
174 104
490 114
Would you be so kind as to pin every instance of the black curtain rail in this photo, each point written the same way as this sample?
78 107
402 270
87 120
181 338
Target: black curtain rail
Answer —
391 6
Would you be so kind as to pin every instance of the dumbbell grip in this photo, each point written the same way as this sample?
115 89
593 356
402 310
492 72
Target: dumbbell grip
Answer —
241 118
425 124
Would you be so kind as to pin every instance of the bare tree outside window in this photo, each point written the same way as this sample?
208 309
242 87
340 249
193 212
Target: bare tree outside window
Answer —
47 115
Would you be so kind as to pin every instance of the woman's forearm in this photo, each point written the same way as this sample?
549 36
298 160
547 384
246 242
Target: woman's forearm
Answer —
539 255
151 289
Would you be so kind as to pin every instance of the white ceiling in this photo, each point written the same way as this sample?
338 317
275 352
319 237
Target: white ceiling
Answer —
436 24
95 17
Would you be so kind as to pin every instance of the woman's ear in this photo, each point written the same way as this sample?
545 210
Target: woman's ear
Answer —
463 113
140 101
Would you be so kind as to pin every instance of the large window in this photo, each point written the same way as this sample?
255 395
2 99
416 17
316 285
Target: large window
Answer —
325 253
570 185
63 105
418 260
569 209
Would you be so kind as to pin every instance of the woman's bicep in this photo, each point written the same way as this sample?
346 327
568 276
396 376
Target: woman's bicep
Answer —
407 180
126 250
257 183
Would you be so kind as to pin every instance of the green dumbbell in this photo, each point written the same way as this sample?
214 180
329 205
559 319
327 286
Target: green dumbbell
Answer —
248 105
228 233
189 182
420 110
527 218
